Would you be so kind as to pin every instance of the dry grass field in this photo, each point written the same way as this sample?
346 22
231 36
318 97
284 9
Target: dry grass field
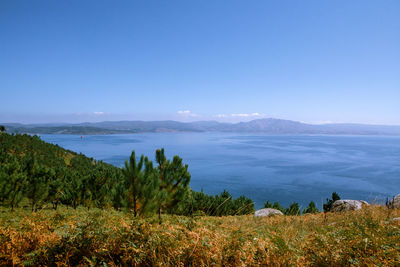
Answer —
67 237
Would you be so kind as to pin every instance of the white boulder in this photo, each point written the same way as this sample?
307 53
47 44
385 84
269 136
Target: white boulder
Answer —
395 203
348 204
267 212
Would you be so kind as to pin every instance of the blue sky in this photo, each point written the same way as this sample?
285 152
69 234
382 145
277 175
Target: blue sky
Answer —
311 61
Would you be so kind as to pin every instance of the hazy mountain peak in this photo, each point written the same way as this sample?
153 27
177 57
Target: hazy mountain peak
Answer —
264 125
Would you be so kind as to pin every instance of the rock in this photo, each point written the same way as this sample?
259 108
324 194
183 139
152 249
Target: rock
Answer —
395 203
348 204
267 212
397 219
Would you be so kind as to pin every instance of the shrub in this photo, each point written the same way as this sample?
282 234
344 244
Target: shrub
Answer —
328 205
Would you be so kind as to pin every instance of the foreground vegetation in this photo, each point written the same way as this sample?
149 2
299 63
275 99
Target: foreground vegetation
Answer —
108 237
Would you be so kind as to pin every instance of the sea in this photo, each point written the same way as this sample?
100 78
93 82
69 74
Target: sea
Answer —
283 168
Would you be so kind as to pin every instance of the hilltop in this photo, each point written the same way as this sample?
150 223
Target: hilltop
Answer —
265 126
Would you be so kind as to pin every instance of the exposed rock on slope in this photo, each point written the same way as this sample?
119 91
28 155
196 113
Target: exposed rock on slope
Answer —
395 203
348 204
267 212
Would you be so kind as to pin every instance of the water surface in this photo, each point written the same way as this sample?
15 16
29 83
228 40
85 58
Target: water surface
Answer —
264 167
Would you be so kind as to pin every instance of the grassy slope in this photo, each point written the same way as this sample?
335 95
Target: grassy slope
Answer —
71 237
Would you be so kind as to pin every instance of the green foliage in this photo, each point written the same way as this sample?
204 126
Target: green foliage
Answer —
311 208
149 189
276 206
2 128
173 181
117 194
141 184
133 179
73 185
44 173
293 209
13 182
199 203
328 205
55 191
39 178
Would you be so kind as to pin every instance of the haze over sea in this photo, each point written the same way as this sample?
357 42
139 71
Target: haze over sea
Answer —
282 168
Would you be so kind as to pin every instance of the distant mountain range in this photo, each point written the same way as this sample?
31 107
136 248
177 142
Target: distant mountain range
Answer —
267 126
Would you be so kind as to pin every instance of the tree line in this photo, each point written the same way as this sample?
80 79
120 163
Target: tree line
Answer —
294 208
39 174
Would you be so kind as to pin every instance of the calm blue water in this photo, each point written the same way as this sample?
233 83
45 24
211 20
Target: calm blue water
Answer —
264 167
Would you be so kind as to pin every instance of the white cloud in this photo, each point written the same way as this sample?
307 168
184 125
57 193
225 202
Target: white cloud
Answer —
254 114
221 115
187 113
320 122
240 115
94 113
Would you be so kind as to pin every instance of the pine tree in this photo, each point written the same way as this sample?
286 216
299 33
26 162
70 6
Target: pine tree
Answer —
133 177
293 209
55 192
276 206
13 183
174 180
38 184
329 202
104 184
312 208
118 191
85 195
267 204
148 188
223 205
73 187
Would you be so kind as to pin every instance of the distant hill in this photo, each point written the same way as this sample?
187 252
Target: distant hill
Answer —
267 126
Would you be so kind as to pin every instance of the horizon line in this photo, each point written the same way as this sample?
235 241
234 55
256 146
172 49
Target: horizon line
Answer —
187 122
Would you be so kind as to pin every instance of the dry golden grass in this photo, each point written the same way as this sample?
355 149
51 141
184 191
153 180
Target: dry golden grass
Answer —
80 237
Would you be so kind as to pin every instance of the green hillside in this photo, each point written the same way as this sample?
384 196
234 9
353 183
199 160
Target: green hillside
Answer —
43 173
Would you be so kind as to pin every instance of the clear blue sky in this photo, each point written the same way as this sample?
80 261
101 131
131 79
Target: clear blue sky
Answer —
311 61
